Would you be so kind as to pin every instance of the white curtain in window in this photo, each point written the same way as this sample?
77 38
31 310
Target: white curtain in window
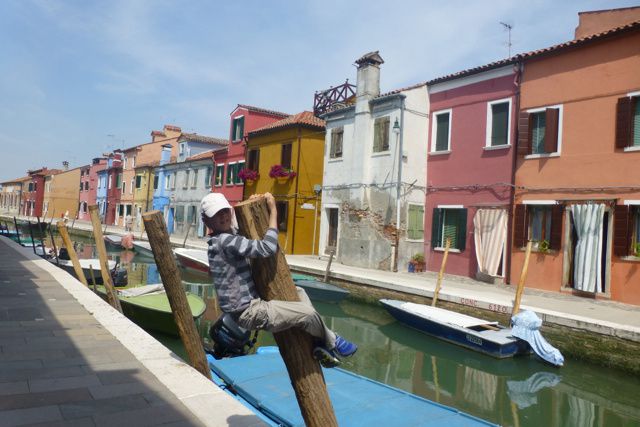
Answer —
587 220
490 235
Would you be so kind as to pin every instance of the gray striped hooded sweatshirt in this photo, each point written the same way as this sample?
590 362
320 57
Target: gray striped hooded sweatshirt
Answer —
229 266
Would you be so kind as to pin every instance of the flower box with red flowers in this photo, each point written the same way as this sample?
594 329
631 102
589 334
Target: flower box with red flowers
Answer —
280 172
248 175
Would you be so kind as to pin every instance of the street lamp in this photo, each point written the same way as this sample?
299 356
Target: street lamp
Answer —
396 131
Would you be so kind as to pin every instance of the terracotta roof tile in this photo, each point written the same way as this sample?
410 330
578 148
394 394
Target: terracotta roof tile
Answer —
539 52
202 156
201 138
306 118
262 110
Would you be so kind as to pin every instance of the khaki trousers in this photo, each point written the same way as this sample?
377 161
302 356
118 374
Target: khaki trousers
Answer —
276 316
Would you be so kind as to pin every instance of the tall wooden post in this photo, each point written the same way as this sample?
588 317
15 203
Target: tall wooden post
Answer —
33 241
184 242
62 229
163 255
273 281
332 252
112 297
441 273
523 277
15 222
55 248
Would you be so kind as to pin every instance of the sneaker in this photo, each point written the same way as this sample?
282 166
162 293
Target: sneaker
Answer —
325 357
344 348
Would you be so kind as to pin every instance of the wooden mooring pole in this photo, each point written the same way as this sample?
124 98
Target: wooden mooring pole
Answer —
523 277
332 252
441 273
163 255
186 236
273 281
15 222
112 297
62 229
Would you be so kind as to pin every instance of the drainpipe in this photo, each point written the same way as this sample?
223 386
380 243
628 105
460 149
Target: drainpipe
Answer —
514 147
399 187
295 196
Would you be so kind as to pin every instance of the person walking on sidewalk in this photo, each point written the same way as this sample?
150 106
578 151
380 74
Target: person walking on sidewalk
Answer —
237 294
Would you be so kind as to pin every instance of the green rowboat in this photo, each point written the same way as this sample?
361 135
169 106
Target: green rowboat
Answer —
152 311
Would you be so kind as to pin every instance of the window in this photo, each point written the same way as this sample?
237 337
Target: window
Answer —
138 181
185 183
207 177
110 179
155 182
285 155
191 215
415 222
167 182
237 130
498 123
124 184
124 163
253 159
30 187
539 131
86 186
180 214
133 162
194 179
441 132
380 135
182 148
336 143
231 171
133 184
626 229
449 223
219 175
119 182
538 222
173 180
239 167
283 210
628 122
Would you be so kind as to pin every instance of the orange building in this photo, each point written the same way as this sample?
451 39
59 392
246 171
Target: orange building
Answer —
577 194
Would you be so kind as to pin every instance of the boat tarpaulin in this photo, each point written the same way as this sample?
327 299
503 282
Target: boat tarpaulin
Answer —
526 326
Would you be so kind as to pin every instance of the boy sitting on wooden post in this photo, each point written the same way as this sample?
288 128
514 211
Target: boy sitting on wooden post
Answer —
229 265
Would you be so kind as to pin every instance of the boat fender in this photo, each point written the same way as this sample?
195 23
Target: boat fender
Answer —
63 254
120 277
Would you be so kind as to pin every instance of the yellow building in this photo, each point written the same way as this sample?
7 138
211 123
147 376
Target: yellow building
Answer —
294 146
143 187
62 193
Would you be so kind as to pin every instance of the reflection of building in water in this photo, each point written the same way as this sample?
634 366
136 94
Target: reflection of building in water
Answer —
137 273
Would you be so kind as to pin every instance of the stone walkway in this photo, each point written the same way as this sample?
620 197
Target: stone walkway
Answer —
67 358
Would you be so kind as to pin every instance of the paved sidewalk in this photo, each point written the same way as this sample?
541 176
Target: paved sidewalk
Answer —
68 358
604 317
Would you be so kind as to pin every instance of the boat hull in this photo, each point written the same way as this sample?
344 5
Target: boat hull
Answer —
460 336
321 291
192 264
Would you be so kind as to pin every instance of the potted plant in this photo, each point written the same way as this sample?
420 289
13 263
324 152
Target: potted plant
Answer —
280 173
248 175
636 249
416 264
543 246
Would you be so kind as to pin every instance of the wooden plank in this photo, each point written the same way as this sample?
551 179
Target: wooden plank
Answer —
62 229
523 277
112 297
441 273
273 281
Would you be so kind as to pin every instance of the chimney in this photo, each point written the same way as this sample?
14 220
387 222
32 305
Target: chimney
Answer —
65 165
368 81
597 21
165 155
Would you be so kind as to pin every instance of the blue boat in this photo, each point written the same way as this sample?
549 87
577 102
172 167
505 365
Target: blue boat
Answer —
475 334
261 382
318 290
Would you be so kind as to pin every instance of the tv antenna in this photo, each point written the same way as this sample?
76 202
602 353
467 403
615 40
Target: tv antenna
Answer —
508 27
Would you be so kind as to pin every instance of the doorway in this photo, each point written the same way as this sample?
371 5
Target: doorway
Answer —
332 237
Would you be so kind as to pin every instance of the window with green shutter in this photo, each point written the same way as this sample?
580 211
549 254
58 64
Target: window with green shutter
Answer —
138 181
239 167
238 128
440 136
499 124
207 176
415 222
381 134
231 172
636 122
180 214
219 174
119 180
449 223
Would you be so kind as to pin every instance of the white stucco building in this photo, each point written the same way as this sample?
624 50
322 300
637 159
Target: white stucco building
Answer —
363 173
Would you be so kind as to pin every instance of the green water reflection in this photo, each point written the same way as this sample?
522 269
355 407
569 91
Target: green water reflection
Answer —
511 392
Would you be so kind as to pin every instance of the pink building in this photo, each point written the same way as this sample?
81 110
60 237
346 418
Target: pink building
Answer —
89 186
470 170
229 162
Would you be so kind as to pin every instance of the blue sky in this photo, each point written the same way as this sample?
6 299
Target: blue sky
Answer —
74 72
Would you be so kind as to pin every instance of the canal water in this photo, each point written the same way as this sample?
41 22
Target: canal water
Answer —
511 392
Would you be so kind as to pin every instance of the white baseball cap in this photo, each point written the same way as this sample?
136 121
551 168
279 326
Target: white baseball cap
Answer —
212 203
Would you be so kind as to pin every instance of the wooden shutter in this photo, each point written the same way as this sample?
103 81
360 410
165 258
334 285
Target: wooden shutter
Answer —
385 133
555 240
520 226
285 160
621 230
462 229
524 134
552 116
436 228
241 125
377 136
254 159
623 122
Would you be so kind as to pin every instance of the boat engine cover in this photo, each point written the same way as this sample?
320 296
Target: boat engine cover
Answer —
229 338
120 277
